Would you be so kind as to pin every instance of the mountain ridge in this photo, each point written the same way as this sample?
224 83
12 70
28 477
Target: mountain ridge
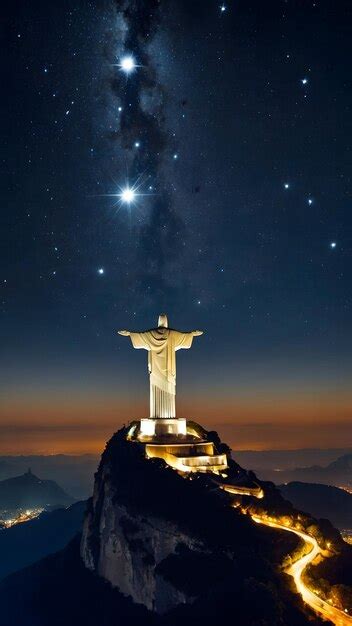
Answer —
321 501
29 491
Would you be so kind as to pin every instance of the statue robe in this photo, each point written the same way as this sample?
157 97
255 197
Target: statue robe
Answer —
162 344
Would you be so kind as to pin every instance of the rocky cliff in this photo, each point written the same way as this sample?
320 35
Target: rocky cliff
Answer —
167 541
131 547
126 538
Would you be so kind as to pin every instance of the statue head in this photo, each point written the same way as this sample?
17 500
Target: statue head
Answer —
162 321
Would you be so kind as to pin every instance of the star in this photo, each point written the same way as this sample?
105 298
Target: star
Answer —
310 201
175 156
304 81
333 244
127 64
222 8
127 195
137 144
287 185
101 271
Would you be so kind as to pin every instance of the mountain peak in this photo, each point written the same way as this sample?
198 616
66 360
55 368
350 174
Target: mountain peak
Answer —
171 541
30 491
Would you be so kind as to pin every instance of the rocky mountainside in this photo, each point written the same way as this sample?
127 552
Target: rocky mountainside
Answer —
170 542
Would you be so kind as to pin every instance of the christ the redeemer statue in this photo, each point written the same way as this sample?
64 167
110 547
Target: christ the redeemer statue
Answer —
162 343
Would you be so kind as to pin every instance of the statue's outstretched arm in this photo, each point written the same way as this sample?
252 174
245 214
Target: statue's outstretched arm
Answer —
197 333
139 340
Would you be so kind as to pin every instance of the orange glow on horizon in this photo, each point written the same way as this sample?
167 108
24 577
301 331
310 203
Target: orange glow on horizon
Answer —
81 424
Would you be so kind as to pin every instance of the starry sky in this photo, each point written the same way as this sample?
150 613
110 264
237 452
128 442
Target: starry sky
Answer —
232 131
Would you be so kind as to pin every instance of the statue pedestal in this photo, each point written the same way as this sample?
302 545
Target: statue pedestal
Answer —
183 446
160 426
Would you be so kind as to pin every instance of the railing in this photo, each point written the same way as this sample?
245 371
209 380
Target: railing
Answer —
185 449
204 460
188 464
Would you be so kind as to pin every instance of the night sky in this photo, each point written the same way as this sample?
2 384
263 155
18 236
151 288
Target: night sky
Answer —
235 131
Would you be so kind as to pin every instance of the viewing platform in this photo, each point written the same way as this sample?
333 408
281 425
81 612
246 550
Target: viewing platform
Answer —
182 444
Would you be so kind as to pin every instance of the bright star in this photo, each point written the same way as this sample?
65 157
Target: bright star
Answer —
127 195
304 81
175 156
101 270
137 144
127 64
287 185
222 8
333 244
310 200
119 109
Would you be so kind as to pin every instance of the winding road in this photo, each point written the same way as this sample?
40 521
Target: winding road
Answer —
337 617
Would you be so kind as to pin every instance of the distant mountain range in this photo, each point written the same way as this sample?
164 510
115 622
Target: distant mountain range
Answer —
74 473
24 544
321 501
288 459
337 473
29 491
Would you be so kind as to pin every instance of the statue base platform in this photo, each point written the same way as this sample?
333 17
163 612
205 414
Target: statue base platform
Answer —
160 426
184 445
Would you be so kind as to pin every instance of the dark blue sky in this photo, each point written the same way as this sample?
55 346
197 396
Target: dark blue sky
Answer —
250 99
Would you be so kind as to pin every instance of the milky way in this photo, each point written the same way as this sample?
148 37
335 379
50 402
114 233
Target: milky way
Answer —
142 144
